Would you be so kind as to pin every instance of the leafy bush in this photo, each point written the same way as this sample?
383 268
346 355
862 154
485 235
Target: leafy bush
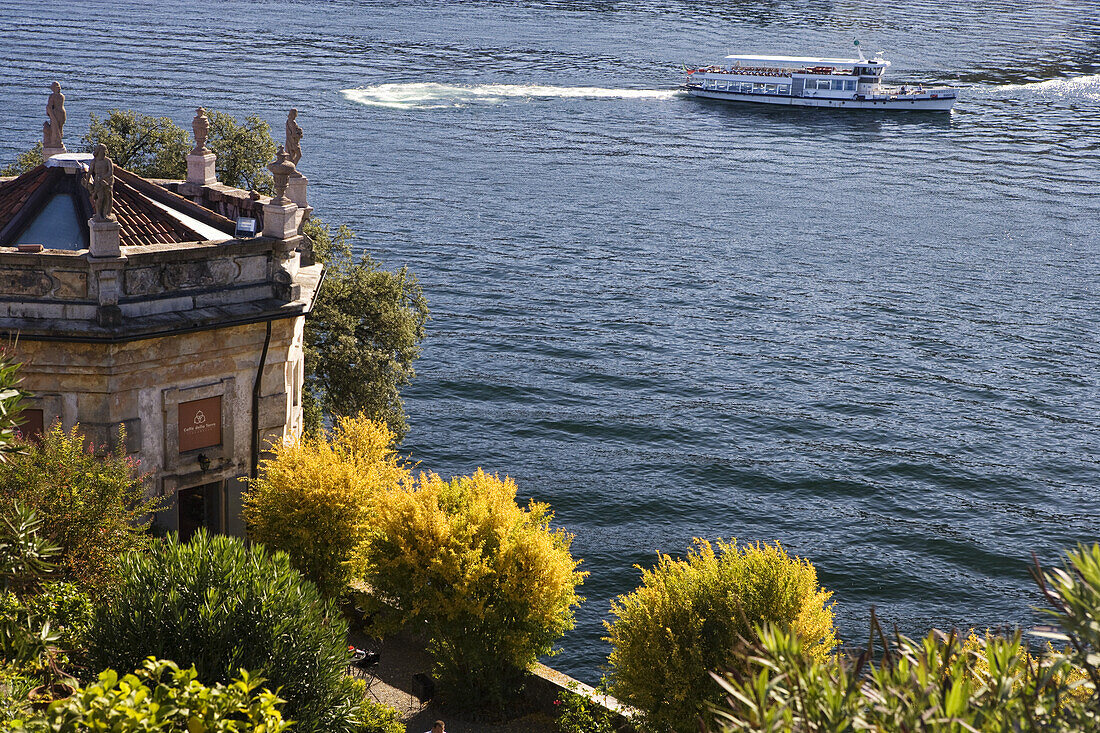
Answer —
11 402
16 685
935 684
492 583
312 498
577 714
69 610
221 606
688 617
28 644
92 506
161 697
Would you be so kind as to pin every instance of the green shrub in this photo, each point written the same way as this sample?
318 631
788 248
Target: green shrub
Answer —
39 620
92 506
312 497
937 684
491 583
688 617
221 606
161 697
69 610
11 397
16 685
577 714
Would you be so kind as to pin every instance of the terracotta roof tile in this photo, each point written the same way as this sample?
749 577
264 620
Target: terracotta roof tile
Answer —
14 193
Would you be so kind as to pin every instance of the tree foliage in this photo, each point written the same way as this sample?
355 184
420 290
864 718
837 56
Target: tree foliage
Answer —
243 150
24 162
160 696
153 147
491 582
363 335
221 606
689 616
312 498
92 505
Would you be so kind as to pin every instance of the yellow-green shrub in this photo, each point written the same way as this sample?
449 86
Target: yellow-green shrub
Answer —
493 582
688 617
312 498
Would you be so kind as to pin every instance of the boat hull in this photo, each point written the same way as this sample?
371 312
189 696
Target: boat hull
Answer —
907 103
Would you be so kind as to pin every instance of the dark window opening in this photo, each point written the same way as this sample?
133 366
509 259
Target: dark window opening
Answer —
31 424
199 506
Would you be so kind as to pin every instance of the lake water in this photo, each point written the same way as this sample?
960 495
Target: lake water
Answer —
871 337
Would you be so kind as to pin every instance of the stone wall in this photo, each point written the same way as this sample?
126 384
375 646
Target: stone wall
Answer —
225 200
139 385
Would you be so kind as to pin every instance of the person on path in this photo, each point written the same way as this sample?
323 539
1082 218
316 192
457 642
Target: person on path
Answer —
437 727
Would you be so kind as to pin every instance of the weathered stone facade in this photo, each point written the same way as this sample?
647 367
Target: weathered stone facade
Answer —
194 348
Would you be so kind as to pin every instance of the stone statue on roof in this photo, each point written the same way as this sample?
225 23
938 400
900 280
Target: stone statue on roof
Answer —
55 111
293 137
201 126
100 182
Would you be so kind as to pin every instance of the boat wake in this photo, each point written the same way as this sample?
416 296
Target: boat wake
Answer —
1079 87
427 95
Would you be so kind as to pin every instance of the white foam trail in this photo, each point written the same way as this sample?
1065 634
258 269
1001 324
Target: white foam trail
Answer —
1078 86
429 95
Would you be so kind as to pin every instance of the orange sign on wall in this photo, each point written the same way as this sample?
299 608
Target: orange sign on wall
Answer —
30 423
200 423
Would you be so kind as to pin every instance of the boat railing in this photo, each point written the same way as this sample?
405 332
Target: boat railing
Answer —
766 71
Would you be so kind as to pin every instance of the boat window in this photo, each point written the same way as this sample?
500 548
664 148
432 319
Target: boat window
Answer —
849 84
746 87
771 88
824 84
784 88
757 88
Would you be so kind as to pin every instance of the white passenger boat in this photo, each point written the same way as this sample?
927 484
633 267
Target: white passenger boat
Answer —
813 82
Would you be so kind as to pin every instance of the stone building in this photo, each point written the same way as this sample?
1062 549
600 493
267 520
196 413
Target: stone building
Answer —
143 304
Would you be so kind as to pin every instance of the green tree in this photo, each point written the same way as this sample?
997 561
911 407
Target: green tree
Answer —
24 162
153 147
244 149
363 335
92 506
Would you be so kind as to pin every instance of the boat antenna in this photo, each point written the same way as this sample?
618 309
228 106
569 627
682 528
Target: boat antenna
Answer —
861 56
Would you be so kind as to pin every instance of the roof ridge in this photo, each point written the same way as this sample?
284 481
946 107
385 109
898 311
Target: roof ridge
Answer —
174 200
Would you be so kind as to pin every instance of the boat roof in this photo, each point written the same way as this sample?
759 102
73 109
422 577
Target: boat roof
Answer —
810 61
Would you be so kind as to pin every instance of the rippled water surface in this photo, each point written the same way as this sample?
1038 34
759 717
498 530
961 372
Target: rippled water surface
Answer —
872 337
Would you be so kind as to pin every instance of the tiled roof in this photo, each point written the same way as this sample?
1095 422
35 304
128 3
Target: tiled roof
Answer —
14 193
146 213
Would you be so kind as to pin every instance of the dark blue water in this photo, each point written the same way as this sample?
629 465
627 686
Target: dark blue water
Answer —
870 337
